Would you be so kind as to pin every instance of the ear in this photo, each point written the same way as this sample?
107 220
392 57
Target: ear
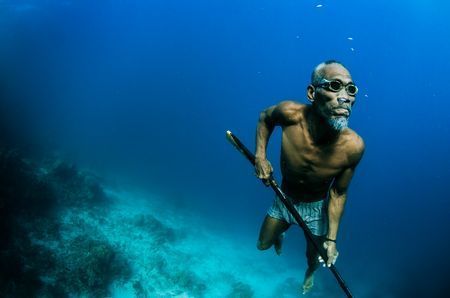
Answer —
310 93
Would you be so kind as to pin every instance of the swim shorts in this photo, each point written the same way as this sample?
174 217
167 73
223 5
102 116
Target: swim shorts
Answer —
313 214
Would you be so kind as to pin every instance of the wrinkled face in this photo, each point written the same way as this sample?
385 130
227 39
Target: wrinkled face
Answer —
334 107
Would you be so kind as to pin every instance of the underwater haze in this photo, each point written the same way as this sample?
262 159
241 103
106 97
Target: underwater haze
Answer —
117 179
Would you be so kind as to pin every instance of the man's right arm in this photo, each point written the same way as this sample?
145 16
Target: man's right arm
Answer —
265 127
281 114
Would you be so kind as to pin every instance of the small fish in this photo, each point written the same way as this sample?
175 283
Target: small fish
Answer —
365 95
319 5
352 49
350 38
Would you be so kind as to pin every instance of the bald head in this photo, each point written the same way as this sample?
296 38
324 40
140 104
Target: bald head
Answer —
321 70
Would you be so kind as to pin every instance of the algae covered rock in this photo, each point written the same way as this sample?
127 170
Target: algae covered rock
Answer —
240 290
36 260
160 233
189 282
76 188
90 266
23 188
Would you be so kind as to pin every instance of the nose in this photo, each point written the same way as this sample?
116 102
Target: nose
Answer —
342 100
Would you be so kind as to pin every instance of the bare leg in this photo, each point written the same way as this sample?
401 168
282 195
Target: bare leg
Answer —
279 243
272 233
313 264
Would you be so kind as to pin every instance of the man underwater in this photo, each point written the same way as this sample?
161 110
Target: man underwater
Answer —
319 154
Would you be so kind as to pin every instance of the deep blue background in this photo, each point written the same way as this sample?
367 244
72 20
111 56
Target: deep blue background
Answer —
145 90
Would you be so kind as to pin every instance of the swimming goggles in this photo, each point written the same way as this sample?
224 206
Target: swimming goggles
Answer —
337 86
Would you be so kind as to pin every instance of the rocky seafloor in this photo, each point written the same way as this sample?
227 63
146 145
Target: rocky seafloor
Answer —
67 233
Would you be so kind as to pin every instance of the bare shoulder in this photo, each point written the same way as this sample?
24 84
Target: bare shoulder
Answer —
289 112
354 145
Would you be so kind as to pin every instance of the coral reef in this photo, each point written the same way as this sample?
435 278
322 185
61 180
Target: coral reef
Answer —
34 259
160 232
240 290
65 235
90 266
187 281
76 188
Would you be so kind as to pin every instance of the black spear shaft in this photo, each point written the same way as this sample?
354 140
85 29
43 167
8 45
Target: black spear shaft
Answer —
241 148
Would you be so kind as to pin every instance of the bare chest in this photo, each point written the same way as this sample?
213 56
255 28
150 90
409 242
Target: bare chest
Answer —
305 162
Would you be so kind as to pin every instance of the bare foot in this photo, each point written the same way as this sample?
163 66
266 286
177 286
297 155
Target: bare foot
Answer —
278 243
308 283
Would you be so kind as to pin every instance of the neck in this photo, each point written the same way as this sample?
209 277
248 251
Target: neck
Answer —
321 132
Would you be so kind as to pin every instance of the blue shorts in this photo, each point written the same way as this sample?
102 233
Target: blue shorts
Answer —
313 214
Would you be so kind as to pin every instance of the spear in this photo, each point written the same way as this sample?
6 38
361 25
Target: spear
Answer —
290 207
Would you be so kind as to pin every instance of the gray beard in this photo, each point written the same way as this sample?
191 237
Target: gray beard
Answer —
338 124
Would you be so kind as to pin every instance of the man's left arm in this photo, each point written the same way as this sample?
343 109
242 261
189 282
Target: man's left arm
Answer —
336 204
337 199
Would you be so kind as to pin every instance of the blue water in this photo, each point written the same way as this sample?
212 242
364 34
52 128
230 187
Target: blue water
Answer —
143 91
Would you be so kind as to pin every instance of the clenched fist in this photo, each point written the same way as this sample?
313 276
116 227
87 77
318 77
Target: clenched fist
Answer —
263 169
